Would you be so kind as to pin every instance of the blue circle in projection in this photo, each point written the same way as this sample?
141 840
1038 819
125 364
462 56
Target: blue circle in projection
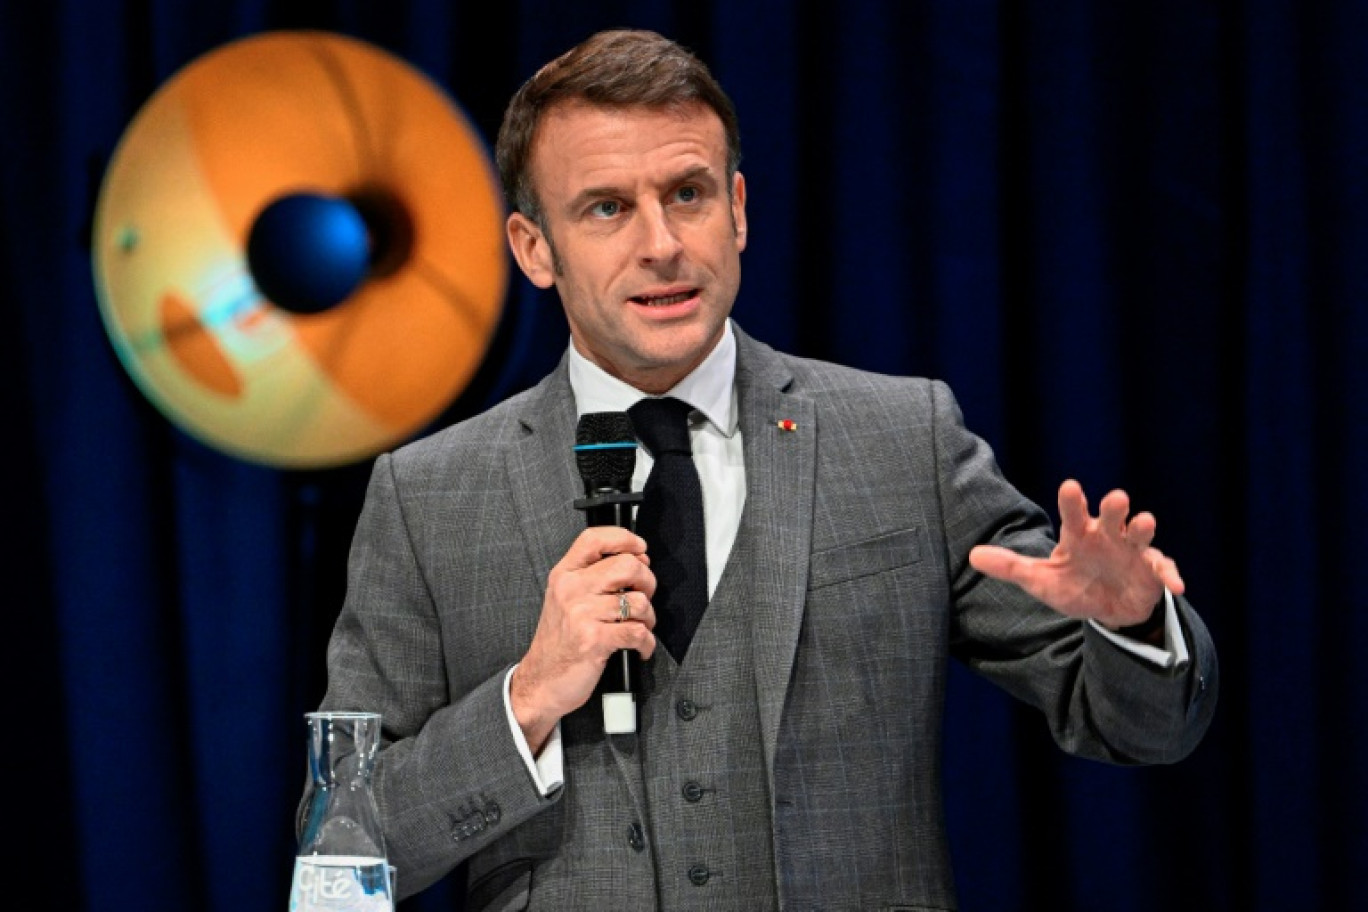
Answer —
308 252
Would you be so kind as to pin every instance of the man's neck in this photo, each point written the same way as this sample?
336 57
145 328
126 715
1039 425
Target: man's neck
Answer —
708 387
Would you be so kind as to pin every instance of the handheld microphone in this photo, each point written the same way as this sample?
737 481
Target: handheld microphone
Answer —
605 452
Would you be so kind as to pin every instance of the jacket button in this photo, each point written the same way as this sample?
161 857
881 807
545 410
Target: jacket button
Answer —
636 838
687 710
699 874
693 792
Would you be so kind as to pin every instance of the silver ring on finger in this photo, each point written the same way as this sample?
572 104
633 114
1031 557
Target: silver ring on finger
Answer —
624 607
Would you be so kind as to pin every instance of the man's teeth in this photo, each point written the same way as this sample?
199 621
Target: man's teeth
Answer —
662 301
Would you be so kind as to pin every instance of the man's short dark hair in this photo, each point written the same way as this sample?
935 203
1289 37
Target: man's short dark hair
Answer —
613 69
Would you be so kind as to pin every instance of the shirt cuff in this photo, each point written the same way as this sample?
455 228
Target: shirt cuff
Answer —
1174 651
548 769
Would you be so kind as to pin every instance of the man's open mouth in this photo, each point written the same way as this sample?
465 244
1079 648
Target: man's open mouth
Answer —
665 300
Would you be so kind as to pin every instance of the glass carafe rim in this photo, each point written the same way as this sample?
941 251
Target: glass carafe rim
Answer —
345 715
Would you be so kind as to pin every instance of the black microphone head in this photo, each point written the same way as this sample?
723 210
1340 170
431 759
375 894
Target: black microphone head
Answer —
605 451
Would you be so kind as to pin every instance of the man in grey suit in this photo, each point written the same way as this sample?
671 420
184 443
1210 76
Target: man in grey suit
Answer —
857 536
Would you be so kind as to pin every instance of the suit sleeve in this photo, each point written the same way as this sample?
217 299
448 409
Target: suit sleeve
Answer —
1099 701
448 779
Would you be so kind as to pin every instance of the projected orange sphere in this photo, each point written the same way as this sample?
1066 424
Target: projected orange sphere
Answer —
239 128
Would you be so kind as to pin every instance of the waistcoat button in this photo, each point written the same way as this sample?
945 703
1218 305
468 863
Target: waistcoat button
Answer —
636 838
699 874
693 792
686 710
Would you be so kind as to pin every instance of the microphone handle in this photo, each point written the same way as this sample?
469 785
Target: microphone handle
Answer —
610 508
621 680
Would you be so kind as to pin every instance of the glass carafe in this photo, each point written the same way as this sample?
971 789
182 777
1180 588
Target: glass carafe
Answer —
341 865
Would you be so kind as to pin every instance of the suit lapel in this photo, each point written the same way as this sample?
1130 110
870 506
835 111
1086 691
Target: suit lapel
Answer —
780 479
542 475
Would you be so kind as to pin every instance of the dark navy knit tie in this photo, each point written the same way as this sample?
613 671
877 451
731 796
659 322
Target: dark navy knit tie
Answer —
670 518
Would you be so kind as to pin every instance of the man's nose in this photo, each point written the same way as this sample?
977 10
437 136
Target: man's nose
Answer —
660 241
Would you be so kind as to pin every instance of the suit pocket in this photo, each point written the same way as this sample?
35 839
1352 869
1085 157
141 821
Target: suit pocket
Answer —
865 558
507 888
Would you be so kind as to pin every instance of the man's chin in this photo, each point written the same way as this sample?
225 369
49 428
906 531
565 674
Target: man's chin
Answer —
659 369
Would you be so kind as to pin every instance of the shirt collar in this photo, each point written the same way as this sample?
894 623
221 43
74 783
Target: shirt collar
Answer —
709 388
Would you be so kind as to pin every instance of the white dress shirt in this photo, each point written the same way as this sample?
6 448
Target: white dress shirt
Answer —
714 434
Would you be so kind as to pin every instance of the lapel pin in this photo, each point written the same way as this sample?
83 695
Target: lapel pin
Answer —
787 425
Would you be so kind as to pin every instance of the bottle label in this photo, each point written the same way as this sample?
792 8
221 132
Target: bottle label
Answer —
340 883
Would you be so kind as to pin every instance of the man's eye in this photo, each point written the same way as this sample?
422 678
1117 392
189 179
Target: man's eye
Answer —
605 209
688 194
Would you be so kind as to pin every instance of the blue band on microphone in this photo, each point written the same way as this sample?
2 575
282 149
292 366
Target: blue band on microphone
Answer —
615 445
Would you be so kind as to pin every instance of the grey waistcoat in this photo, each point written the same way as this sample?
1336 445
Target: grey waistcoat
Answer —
703 768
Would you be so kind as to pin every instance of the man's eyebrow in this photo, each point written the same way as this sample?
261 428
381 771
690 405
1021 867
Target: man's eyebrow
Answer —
694 173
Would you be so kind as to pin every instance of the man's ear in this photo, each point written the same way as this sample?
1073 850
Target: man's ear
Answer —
532 249
738 204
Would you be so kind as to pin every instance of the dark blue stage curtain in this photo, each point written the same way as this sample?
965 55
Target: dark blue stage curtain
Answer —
1132 236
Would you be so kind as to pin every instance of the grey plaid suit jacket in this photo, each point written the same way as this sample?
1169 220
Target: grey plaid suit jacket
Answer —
862 592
